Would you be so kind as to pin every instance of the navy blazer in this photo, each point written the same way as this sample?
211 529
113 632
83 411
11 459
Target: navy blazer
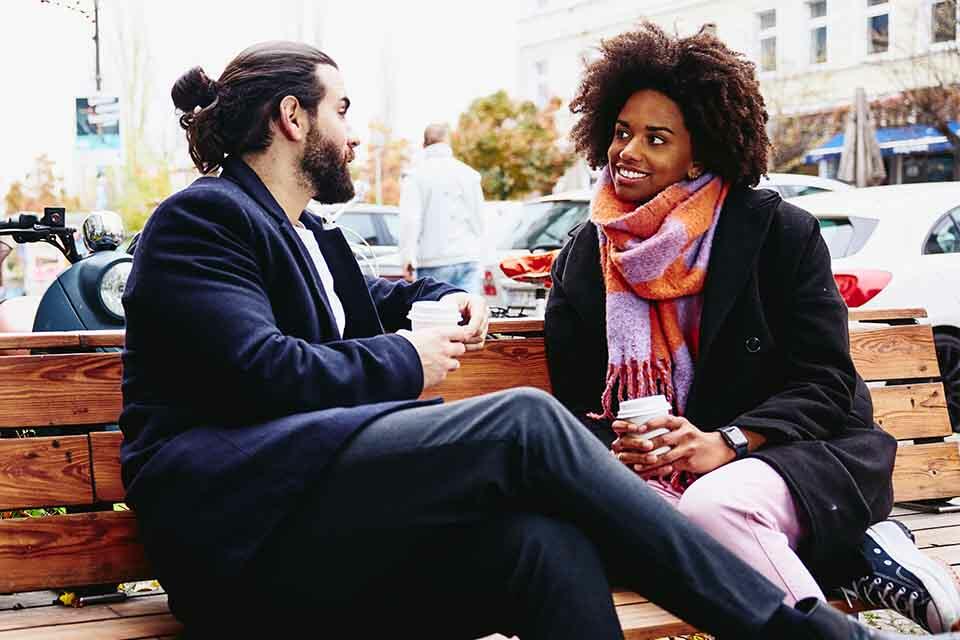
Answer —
238 388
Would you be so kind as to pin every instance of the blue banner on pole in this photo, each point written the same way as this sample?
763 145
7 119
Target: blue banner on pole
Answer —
98 123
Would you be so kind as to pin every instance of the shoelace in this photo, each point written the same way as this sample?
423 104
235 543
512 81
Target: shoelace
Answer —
879 593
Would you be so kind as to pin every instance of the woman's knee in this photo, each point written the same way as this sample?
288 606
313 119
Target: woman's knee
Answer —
713 508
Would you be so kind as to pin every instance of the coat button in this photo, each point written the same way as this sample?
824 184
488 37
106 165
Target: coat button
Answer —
753 344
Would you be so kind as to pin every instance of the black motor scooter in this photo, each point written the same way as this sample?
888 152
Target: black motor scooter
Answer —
86 296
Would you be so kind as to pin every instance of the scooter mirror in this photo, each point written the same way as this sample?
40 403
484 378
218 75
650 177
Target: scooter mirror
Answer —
102 231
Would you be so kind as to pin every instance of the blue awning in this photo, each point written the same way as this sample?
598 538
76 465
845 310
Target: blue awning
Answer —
915 138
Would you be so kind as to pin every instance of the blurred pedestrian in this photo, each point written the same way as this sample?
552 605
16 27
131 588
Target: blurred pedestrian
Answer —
441 214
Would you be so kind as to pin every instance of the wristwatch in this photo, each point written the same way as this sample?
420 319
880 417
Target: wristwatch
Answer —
735 439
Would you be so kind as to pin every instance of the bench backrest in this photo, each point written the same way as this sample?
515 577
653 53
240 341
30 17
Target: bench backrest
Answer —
94 543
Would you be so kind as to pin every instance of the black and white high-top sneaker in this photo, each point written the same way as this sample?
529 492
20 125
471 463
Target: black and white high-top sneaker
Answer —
905 579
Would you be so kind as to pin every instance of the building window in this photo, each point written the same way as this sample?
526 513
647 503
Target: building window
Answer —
818 31
540 69
768 19
943 21
818 45
768 54
767 30
878 26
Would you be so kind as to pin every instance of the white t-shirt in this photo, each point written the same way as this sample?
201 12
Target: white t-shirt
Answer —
326 278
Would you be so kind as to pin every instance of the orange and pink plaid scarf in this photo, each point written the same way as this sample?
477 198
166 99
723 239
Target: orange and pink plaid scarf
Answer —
654 261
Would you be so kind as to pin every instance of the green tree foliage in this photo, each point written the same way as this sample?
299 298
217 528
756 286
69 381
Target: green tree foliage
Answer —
513 145
394 156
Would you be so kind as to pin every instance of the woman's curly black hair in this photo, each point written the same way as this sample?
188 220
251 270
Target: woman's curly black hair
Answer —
716 89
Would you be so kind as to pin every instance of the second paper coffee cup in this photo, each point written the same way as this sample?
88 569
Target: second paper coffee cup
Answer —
428 314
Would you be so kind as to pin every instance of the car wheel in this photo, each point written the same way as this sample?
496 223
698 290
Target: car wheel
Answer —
948 355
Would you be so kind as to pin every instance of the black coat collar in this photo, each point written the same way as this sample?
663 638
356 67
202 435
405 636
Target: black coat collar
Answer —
236 170
741 231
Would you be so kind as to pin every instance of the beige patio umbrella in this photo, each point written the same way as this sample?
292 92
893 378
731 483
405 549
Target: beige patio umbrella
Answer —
860 159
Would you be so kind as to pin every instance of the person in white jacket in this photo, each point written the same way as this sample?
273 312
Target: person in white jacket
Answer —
441 216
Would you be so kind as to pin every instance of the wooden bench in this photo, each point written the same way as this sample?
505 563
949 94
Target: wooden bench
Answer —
99 545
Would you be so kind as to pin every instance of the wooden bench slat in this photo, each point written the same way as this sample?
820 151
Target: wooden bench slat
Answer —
939 537
950 554
67 389
912 411
861 315
502 364
44 340
892 353
57 614
161 624
647 621
70 550
927 471
105 446
106 338
38 472
920 521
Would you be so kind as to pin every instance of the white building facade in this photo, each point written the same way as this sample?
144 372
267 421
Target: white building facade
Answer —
811 54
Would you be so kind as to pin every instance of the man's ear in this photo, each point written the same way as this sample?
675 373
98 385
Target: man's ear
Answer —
292 120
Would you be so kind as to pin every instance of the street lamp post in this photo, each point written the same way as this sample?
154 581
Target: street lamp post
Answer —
75 5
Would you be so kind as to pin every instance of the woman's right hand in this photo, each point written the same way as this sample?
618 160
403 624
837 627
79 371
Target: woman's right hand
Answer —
438 350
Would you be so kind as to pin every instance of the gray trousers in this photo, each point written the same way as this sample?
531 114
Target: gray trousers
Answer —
500 513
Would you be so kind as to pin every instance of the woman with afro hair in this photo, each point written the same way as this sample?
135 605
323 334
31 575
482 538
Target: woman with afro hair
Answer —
687 282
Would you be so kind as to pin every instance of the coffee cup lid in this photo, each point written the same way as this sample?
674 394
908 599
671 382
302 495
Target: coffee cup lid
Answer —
649 404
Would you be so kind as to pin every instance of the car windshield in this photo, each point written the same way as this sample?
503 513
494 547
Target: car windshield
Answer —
846 235
393 229
545 225
364 224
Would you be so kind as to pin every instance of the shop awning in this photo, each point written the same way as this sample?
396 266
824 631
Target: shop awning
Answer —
915 138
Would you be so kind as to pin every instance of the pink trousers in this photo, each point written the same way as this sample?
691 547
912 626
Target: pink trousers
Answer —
748 507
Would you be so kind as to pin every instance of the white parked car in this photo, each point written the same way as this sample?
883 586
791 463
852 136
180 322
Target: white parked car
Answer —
541 225
373 232
791 185
899 246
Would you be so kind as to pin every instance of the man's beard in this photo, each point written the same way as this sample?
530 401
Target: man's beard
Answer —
324 169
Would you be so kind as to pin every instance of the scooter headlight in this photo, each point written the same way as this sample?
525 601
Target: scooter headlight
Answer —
111 288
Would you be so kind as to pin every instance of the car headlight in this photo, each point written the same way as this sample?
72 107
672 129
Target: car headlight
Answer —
111 288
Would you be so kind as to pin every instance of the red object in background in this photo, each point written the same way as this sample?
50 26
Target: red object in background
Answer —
534 268
489 285
858 286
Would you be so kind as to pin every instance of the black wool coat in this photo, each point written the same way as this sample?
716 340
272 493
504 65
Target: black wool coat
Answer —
238 389
774 359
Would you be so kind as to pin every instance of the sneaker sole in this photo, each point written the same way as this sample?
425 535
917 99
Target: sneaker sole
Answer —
903 551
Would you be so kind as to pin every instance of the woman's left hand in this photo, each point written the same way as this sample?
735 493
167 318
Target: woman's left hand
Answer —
476 312
691 450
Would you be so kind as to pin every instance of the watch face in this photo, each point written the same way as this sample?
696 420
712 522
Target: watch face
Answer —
735 438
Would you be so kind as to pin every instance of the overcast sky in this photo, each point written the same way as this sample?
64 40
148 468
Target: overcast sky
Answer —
439 55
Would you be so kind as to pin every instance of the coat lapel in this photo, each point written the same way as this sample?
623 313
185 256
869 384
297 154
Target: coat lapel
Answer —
741 231
348 280
236 170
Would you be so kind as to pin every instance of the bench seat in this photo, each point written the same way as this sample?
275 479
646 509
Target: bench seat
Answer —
66 385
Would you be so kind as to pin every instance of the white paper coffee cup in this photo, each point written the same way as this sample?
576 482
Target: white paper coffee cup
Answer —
640 411
428 314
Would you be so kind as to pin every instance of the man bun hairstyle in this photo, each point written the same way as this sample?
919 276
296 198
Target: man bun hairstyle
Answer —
233 114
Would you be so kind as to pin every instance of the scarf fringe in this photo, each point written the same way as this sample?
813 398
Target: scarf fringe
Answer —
634 379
